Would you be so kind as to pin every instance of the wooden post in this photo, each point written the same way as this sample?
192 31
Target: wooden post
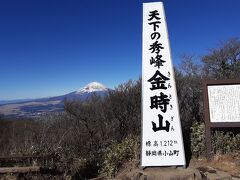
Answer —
207 121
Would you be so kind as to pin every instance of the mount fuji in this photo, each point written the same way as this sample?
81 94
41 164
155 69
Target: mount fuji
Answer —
87 91
37 107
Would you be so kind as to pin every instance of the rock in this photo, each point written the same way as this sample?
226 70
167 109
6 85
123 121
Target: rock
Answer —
197 170
213 174
237 162
167 174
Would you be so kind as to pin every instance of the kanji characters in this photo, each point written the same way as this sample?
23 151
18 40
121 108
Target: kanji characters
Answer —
160 124
160 102
158 81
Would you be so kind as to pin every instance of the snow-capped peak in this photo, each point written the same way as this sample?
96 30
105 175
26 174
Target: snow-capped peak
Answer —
92 87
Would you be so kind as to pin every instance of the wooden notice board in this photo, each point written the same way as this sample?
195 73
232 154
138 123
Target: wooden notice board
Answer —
221 106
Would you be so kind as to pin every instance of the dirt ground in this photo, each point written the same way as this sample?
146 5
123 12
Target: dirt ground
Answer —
221 167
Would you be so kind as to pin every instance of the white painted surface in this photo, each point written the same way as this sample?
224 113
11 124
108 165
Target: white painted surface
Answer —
160 148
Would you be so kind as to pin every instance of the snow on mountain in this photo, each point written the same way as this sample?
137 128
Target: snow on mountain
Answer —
92 87
32 107
87 91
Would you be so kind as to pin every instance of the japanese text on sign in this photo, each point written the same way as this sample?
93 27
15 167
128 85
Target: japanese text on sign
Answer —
161 122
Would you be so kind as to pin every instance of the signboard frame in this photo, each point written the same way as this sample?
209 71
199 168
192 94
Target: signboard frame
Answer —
211 125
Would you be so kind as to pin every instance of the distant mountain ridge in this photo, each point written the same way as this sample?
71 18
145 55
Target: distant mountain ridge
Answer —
14 101
37 107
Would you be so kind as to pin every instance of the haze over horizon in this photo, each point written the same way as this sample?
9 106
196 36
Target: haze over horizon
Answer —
75 90
51 47
87 88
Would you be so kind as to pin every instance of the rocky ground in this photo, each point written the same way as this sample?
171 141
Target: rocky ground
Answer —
219 168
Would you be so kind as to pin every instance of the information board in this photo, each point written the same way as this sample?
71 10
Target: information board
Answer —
221 106
224 103
162 142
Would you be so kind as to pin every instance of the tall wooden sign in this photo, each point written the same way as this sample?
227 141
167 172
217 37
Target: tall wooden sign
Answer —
162 142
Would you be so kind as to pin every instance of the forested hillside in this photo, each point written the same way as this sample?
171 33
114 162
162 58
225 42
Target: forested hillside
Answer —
99 135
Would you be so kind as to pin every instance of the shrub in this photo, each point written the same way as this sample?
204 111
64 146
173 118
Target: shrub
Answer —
118 153
83 168
198 139
223 140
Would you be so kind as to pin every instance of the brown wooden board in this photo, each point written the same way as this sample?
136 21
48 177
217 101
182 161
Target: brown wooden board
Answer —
30 169
25 157
208 124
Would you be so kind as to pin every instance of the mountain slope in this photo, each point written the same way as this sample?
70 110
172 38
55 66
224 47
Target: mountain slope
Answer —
37 107
87 91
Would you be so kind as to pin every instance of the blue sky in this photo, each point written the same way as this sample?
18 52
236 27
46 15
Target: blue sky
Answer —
52 47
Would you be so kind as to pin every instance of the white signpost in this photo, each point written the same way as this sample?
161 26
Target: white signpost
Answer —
162 142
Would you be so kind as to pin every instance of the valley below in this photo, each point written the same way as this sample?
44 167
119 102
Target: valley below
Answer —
37 107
